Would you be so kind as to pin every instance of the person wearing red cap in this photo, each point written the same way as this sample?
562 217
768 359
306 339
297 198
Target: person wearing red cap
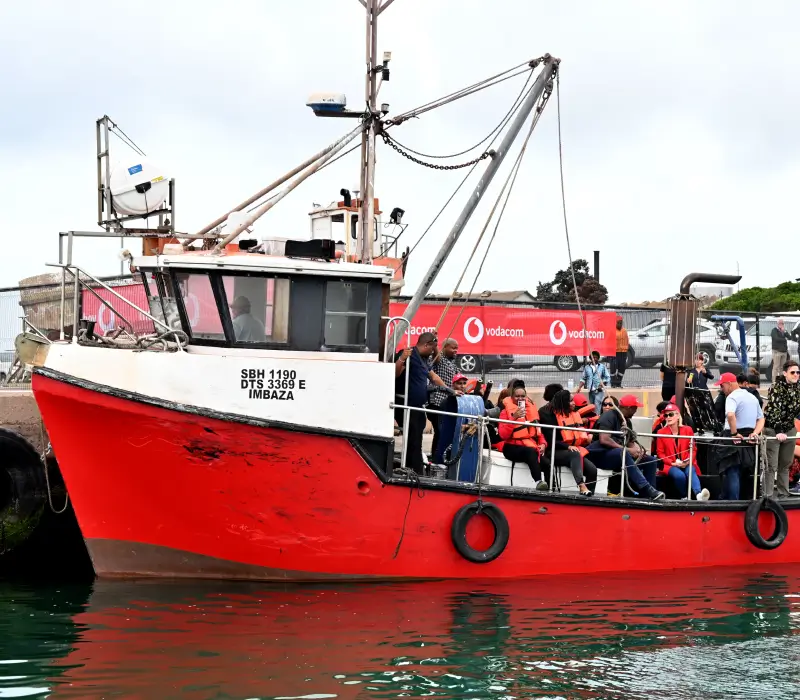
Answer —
744 419
587 411
621 358
608 449
674 449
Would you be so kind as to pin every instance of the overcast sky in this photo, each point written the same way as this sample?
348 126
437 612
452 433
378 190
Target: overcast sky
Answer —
679 125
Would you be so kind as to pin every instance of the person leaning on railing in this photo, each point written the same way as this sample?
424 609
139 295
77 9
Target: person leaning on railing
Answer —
679 459
744 421
783 406
607 451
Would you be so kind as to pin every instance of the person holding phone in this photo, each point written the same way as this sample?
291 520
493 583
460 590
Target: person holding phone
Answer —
523 443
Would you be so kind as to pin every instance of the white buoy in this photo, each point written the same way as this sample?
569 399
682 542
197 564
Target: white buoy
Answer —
137 187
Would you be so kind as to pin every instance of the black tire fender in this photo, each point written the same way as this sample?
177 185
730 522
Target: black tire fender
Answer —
459 532
751 523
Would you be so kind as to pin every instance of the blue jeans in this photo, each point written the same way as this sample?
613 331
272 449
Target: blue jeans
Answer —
640 476
679 476
596 397
730 483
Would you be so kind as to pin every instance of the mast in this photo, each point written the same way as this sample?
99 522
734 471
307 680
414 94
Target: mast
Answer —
550 65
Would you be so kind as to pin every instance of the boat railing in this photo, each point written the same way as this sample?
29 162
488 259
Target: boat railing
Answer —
83 280
694 439
392 322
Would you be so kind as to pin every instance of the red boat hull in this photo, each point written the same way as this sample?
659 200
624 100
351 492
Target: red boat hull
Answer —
166 492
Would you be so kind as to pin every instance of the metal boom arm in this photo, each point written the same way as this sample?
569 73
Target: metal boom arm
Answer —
550 65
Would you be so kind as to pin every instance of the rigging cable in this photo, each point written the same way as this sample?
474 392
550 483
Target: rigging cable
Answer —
455 192
564 210
508 184
499 127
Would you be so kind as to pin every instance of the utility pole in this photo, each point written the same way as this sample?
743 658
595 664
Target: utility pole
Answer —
549 67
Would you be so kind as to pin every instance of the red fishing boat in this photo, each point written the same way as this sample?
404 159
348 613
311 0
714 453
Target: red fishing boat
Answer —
253 438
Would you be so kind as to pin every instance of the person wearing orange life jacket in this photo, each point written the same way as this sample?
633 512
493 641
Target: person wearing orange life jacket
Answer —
587 411
523 443
569 447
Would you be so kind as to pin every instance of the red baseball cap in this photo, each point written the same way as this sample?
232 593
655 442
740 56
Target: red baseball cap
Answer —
580 400
670 407
459 378
726 378
629 401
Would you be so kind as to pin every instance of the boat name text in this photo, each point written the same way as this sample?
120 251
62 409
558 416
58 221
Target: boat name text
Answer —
273 384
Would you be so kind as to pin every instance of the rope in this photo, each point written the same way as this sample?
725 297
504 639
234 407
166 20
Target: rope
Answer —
564 209
45 448
413 477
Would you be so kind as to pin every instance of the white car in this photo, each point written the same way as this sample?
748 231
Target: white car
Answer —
648 344
6 360
726 355
564 363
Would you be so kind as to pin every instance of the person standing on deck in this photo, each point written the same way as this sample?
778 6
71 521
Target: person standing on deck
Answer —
744 420
595 378
780 348
416 362
783 406
444 366
246 328
621 358
697 378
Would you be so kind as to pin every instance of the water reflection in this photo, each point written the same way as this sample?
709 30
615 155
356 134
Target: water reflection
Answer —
702 634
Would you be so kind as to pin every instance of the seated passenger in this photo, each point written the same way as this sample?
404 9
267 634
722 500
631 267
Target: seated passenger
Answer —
607 451
570 445
523 443
675 453
610 403
246 327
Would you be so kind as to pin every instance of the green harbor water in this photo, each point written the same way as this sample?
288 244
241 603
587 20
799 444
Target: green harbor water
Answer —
699 634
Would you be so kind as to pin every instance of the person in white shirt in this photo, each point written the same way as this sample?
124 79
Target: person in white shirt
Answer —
247 328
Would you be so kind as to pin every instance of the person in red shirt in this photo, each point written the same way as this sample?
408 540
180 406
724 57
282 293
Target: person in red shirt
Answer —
674 449
523 443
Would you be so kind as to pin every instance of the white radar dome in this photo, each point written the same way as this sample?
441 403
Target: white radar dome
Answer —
138 187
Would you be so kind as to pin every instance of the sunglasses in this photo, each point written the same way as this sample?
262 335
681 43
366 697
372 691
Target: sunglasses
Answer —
608 404
794 371
671 414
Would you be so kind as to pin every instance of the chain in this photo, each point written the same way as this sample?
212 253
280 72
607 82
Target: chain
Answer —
436 166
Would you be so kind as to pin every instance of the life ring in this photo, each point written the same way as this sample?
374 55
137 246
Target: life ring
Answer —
459 532
751 523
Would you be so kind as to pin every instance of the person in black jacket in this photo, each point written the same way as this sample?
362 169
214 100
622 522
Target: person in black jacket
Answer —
698 377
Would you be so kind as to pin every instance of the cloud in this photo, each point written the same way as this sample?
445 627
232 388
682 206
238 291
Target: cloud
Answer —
677 123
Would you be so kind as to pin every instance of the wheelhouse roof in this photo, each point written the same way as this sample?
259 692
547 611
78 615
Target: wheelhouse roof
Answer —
256 262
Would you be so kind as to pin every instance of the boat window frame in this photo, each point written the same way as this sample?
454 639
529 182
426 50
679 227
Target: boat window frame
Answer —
216 277
345 347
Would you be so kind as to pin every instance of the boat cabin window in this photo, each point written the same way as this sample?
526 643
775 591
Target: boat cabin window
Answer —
259 308
291 312
346 313
200 306
161 298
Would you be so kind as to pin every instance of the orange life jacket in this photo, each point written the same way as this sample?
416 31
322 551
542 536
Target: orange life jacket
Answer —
587 415
574 437
525 434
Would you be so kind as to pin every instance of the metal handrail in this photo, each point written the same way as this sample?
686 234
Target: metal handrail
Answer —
396 320
26 322
693 438
130 334
79 271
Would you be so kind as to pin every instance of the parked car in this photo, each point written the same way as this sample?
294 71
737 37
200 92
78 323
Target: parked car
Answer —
469 363
564 363
6 360
726 355
648 344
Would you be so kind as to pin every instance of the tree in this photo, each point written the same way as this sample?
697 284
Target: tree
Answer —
561 289
784 297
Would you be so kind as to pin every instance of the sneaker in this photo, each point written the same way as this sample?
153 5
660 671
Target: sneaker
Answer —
542 486
795 490
704 495
657 495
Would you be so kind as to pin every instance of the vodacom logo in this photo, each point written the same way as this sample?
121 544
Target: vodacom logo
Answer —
477 336
558 332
